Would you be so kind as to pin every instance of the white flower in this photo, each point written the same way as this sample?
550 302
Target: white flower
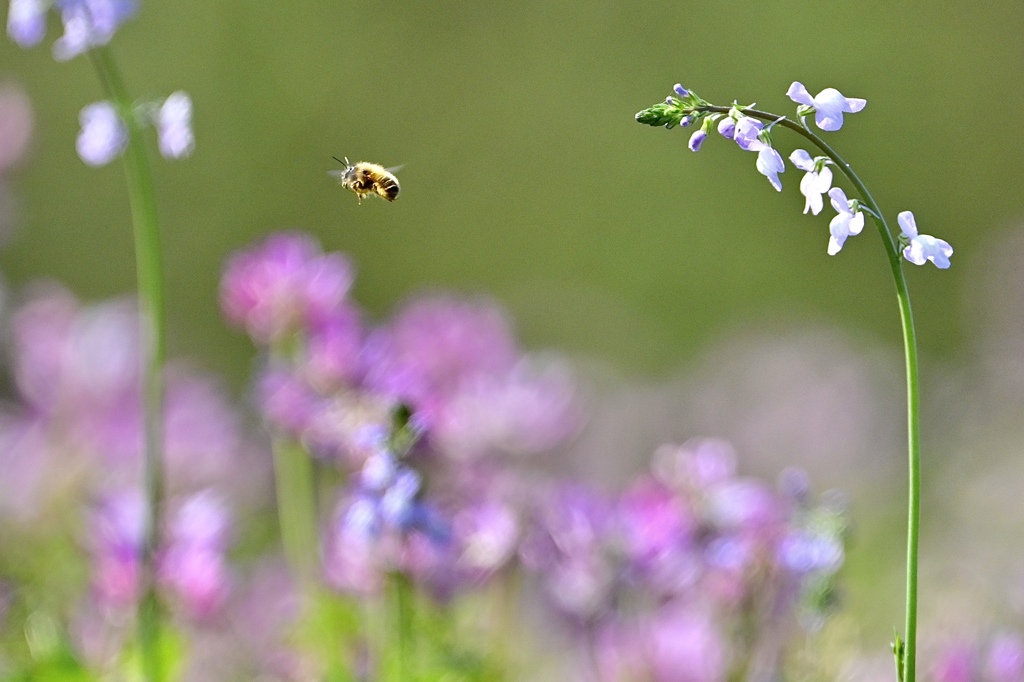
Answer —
26 21
88 23
770 164
103 136
846 223
174 126
923 247
829 105
814 183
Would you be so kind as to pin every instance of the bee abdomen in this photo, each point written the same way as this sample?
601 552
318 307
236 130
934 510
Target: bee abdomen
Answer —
388 189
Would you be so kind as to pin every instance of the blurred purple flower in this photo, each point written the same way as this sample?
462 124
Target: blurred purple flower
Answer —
686 646
193 563
957 663
333 354
285 401
116 530
434 347
1005 659
103 136
26 21
655 525
283 286
174 126
89 23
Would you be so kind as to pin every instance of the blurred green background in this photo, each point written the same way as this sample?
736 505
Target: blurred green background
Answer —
527 179
526 176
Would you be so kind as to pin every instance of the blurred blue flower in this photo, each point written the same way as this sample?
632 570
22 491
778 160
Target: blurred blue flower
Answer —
174 126
103 136
26 21
88 23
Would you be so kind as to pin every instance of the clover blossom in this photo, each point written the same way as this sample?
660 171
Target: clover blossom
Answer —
923 247
89 23
828 106
816 181
104 134
849 220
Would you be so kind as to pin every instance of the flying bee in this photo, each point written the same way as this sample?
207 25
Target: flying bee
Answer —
365 178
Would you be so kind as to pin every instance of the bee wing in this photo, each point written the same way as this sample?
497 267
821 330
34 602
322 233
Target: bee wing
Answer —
336 174
395 169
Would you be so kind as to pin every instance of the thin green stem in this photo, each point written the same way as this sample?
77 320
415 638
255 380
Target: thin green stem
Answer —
296 509
149 271
909 664
404 614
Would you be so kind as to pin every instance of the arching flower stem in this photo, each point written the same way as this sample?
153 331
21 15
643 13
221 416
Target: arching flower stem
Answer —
907 663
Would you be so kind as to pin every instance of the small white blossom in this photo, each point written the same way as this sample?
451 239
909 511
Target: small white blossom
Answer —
26 21
88 23
829 105
923 247
814 183
847 222
174 126
103 136
770 164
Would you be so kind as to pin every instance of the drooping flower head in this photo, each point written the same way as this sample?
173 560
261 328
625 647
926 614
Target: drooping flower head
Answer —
174 126
828 106
923 247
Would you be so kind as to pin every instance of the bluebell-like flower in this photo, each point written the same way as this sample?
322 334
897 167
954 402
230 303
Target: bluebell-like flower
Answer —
923 247
697 139
26 21
849 220
828 106
103 136
88 23
680 90
174 126
816 181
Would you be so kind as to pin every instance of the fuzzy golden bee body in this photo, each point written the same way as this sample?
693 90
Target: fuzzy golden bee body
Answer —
364 178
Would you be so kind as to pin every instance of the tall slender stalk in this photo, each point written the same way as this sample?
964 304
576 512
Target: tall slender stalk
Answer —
149 271
907 664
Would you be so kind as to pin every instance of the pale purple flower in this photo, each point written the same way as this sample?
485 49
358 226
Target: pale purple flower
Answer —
655 524
958 663
333 353
680 90
814 183
727 127
923 247
283 286
746 132
697 139
174 126
26 21
286 401
89 23
686 646
770 164
848 221
808 552
104 134
829 105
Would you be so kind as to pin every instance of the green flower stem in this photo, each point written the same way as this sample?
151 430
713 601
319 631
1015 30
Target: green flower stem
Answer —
908 673
404 626
149 271
296 510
